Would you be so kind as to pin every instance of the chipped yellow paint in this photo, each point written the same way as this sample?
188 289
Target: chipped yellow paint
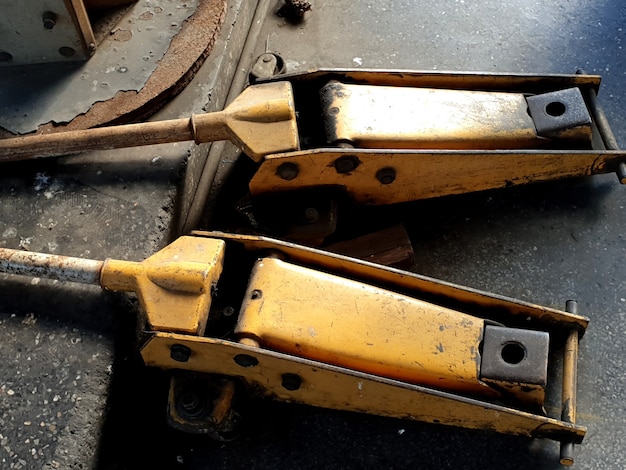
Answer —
425 174
370 116
497 307
331 319
334 387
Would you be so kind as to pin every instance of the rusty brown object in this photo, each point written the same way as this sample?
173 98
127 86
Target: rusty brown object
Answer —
389 247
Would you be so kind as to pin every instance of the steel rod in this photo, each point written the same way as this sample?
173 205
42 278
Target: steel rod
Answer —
570 372
62 268
127 135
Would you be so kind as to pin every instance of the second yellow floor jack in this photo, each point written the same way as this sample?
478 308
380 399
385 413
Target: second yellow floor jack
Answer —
226 312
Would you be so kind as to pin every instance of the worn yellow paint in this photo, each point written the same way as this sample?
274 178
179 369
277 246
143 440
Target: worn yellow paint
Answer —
335 320
174 285
496 307
295 308
424 174
372 116
334 387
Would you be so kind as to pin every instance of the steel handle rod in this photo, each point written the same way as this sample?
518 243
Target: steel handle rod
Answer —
62 268
127 135
261 121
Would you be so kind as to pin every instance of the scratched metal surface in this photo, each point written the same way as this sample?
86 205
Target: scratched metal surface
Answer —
34 95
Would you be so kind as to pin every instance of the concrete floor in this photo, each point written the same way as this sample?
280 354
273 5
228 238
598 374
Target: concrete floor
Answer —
73 393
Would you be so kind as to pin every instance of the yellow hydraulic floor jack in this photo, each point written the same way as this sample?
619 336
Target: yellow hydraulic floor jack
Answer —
303 325
379 138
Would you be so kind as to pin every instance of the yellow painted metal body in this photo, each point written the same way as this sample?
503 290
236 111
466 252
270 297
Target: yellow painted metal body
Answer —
495 307
331 319
370 116
339 388
450 167
332 331
173 285
424 174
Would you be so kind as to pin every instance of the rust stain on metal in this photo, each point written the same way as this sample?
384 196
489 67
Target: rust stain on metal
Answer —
186 54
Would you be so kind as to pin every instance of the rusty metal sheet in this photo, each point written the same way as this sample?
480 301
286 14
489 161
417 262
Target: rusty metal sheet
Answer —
34 95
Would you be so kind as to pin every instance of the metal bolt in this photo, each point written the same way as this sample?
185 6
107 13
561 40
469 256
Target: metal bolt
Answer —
228 311
291 381
311 215
49 19
346 164
386 175
267 58
180 352
287 171
191 404
571 306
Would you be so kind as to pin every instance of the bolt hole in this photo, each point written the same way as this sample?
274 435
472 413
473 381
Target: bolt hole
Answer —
513 353
5 57
256 294
67 51
386 175
245 360
287 171
555 109
291 382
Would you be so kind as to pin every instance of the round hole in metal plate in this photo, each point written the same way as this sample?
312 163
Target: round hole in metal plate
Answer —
513 352
555 109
